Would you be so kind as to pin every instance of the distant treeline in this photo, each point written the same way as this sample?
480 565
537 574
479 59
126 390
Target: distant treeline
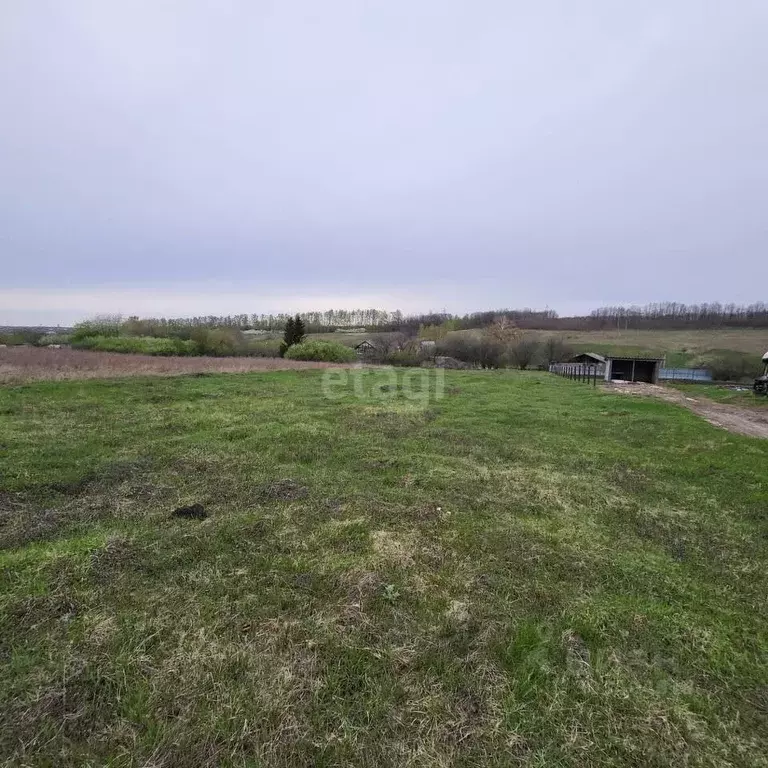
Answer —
315 322
666 315
671 315
659 316
321 322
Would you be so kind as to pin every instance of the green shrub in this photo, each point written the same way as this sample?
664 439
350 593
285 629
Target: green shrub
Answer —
734 366
85 342
218 342
53 338
525 353
264 348
96 328
21 336
323 351
482 351
141 345
406 357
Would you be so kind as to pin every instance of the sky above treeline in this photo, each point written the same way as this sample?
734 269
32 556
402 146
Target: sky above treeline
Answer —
186 157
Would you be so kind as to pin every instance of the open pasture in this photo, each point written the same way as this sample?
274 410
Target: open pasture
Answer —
523 572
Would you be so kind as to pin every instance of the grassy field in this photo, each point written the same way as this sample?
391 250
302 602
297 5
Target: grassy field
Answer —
524 572
692 343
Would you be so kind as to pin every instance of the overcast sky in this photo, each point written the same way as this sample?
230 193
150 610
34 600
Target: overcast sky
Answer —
185 157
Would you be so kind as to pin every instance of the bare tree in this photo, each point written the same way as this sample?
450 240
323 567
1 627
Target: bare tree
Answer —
556 350
525 352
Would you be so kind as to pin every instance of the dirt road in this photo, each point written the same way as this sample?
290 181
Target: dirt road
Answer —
742 421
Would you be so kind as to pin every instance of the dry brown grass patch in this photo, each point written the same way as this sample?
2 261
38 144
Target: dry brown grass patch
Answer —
21 364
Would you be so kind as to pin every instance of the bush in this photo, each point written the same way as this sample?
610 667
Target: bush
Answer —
218 342
406 357
98 327
141 345
556 350
483 351
53 338
525 353
265 348
323 351
21 336
734 366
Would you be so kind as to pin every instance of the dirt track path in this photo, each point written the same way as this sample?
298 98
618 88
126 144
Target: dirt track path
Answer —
742 421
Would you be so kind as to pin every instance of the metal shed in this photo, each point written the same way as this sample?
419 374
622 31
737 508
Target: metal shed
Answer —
633 368
588 358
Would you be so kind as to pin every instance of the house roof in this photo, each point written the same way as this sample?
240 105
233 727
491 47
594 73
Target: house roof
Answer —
364 344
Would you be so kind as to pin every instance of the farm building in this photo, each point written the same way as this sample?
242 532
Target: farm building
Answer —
645 369
365 348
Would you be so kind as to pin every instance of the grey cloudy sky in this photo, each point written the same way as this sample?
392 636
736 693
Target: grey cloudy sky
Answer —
180 157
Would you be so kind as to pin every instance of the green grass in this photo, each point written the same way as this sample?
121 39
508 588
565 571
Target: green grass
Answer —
743 396
525 572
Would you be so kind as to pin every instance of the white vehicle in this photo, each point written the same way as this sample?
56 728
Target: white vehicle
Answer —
761 382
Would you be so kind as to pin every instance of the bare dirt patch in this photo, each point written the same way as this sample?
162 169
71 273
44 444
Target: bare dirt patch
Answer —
20 364
742 421
192 512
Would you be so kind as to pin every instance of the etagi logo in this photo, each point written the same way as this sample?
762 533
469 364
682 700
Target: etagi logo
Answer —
383 383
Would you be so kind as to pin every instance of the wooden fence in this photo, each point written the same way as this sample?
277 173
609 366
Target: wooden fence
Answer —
587 374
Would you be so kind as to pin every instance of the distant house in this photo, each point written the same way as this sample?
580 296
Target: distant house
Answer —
365 348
